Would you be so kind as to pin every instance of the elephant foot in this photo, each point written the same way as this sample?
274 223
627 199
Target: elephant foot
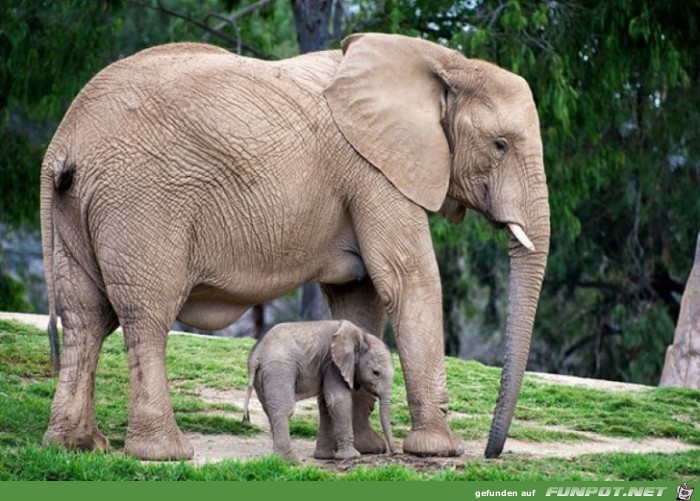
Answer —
347 453
85 440
324 452
288 456
170 446
368 441
441 443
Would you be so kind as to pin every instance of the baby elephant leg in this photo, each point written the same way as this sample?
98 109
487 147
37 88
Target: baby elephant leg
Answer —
278 399
339 405
325 443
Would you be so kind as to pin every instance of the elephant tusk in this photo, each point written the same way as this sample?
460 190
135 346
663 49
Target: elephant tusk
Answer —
519 233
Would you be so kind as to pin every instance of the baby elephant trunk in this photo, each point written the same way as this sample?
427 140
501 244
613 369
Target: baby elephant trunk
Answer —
384 405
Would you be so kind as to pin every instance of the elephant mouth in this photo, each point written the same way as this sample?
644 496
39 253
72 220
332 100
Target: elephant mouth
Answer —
515 229
520 235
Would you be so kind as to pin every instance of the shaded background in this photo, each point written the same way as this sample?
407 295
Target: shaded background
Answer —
616 87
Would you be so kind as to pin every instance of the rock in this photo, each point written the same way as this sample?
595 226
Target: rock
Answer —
682 363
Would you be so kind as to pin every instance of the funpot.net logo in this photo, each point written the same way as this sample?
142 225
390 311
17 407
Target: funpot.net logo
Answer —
606 491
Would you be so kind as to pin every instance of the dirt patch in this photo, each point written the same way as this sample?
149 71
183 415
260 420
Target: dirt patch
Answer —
257 415
595 384
214 448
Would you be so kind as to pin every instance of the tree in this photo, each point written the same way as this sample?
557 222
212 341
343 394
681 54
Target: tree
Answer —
614 82
618 112
312 19
48 50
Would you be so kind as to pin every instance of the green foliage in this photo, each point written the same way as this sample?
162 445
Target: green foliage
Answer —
612 81
12 294
267 31
44 61
48 52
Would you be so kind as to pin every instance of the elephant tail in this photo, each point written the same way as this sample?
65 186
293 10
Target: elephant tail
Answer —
252 372
53 180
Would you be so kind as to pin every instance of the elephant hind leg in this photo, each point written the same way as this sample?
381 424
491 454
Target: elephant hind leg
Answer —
146 313
152 433
87 318
278 398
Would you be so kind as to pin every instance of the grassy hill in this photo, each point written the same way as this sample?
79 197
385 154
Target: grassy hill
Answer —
546 413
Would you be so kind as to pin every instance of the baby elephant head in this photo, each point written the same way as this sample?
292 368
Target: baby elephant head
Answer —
365 362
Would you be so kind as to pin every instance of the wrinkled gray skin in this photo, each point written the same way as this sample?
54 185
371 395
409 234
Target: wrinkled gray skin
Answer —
187 182
331 360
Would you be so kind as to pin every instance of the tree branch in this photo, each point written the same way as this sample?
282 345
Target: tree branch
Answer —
226 21
338 18
605 330
237 15
203 26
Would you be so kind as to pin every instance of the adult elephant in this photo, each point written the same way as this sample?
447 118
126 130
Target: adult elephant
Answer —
186 182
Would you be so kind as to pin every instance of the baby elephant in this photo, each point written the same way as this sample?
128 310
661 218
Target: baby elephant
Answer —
329 359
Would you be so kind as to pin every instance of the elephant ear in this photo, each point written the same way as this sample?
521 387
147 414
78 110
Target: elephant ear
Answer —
345 350
387 99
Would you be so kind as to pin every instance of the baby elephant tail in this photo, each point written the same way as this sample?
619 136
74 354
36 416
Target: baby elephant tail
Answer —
252 371
248 393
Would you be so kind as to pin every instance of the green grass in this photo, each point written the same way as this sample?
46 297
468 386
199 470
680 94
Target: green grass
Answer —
546 413
36 463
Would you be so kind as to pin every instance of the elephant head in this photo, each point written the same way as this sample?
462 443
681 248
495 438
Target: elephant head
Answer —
365 362
451 134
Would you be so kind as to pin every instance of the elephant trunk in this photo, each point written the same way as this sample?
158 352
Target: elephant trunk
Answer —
384 406
526 275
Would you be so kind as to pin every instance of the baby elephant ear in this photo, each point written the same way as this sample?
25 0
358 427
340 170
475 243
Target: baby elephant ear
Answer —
345 350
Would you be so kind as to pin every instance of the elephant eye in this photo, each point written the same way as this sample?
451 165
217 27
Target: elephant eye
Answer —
376 372
501 145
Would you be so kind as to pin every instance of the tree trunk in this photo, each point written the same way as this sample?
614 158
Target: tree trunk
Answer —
259 320
312 19
682 364
313 303
450 276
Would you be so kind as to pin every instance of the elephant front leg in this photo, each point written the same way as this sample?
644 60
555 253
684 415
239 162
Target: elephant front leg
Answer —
338 397
400 260
325 442
152 433
359 303
417 319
